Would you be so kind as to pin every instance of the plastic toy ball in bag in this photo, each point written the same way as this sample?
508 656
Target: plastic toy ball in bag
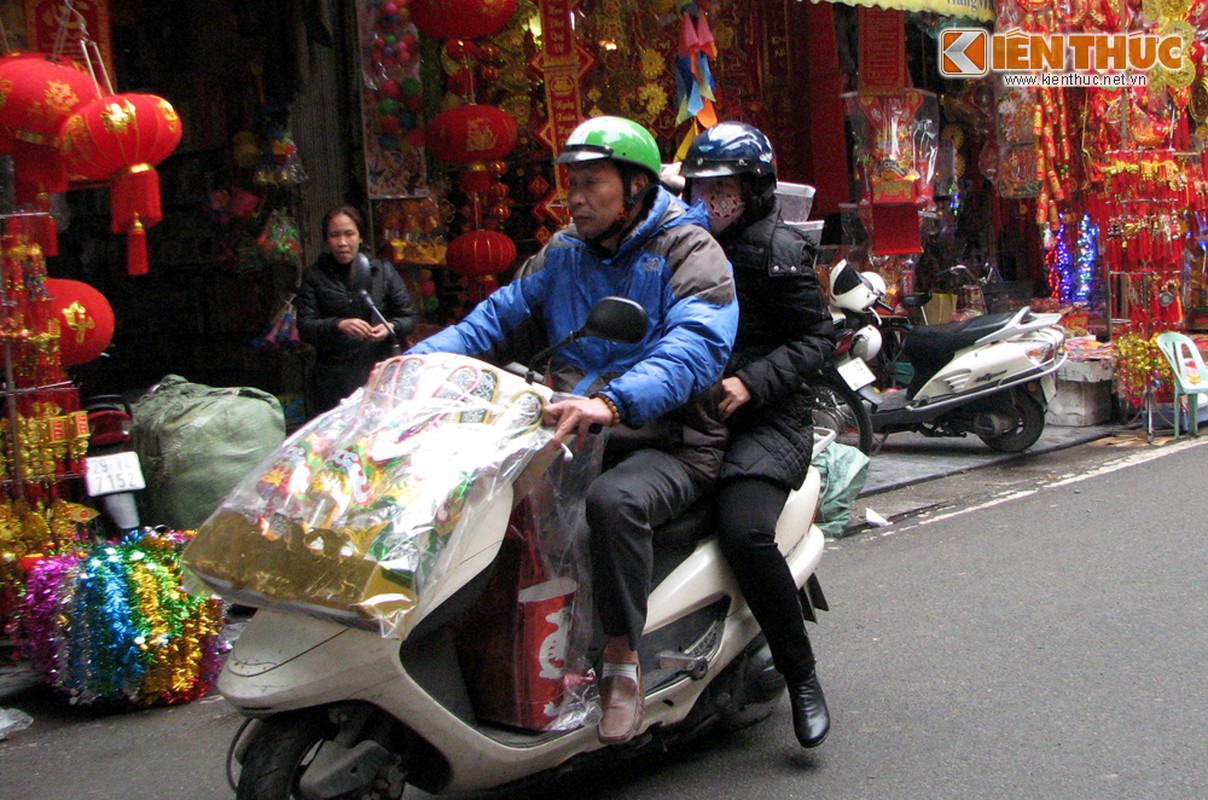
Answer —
280 242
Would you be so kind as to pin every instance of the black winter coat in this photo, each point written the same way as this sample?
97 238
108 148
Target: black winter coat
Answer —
342 362
785 337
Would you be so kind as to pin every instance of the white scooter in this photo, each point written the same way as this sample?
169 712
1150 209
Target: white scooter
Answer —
376 660
991 375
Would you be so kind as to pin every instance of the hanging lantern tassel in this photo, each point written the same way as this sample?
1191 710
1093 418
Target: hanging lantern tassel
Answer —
475 179
135 205
136 249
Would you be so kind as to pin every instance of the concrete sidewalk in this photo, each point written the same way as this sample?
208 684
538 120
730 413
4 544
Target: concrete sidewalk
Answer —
909 458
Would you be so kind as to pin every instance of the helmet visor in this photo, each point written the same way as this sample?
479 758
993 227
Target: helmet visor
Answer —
576 153
701 167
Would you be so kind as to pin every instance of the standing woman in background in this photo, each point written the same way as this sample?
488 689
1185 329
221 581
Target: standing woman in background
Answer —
784 337
335 319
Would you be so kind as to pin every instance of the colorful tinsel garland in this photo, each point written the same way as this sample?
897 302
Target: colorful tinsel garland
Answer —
111 623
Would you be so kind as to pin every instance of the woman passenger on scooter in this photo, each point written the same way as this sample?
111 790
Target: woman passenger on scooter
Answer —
633 238
784 337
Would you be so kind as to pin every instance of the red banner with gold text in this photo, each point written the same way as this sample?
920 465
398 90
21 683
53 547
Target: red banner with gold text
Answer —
89 18
562 63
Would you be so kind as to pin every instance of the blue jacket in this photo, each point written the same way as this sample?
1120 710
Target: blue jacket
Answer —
672 266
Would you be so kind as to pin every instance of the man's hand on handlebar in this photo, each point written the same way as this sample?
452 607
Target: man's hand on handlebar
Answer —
576 416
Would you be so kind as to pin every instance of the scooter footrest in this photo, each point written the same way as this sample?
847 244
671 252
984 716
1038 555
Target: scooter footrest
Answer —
694 660
695 667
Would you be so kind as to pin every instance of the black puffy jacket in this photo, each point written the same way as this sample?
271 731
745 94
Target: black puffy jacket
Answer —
785 337
342 362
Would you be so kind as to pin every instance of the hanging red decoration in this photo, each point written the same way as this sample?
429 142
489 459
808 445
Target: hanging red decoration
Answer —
37 93
121 138
461 19
85 320
480 253
471 133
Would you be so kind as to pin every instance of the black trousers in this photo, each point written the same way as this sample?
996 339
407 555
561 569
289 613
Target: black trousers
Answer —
624 506
748 510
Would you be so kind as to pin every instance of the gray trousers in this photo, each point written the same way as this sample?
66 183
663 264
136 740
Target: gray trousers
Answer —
624 506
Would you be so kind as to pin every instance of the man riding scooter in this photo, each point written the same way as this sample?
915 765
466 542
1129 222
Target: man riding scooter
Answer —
628 237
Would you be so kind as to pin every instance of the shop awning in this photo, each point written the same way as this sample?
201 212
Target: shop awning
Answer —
982 10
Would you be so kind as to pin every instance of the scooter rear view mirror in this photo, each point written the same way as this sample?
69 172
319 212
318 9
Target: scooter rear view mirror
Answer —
617 319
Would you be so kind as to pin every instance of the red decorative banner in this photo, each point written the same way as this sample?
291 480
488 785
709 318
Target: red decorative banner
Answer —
89 18
562 63
882 51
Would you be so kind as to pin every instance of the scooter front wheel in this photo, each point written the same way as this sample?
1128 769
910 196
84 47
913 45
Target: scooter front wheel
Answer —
284 747
837 408
1029 424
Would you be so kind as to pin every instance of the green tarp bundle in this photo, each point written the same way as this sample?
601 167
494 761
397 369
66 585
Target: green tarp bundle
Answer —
196 442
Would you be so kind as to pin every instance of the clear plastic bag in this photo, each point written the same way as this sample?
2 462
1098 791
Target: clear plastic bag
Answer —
362 513
13 720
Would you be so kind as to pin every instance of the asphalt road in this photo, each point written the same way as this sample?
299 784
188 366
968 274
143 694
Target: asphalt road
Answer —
1038 634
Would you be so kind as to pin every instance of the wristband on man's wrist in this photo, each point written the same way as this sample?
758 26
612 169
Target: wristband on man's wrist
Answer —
616 415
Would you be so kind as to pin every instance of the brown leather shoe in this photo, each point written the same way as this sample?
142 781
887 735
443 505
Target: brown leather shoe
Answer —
623 702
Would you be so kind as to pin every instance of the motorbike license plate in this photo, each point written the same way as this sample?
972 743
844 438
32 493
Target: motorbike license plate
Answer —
118 472
856 373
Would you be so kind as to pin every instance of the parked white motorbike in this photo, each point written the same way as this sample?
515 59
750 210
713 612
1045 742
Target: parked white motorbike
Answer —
991 375
374 660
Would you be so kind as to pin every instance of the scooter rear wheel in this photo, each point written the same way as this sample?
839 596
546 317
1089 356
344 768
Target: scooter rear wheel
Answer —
838 408
1029 424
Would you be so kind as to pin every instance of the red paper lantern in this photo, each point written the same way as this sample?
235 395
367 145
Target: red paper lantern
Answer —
471 133
461 19
480 253
37 93
85 320
121 138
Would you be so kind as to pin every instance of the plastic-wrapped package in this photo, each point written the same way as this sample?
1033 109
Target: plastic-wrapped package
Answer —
369 512
523 647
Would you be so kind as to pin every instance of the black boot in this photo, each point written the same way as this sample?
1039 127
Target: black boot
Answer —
811 720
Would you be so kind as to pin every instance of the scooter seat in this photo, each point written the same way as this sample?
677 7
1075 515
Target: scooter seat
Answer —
674 541
927 341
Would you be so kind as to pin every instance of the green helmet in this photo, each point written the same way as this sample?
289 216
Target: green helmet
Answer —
612 137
